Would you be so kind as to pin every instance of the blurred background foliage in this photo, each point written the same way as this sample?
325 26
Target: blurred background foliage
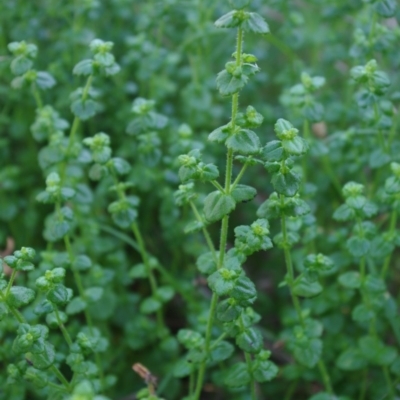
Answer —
170 52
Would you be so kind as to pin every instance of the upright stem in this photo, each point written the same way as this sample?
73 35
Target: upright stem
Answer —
393 222
36 95
325 376
74 129
289 267
224 226
64 331
152 279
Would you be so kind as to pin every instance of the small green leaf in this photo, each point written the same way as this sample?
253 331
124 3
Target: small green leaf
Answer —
76 305
244 142
238 375
44 359
84 67
228 84
220 134
222 281
244 291
255 23
287 184
3 311
228 310
150 305
190 339
358 246
351 360
308 351
273 151
385 8
58 295
93 294
362 313
217 205
84 109
164 293
82 263
222 351
350 280
228 20
206 263
304 288
264 370
250 341
243 193
20 296
373 349
20 65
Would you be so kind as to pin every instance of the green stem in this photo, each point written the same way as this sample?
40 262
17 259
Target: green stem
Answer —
217 185
326 163
152 279
81 291
239 177
200 376
74 129
224 226
389 383
11 281
363 390
218 340
64 331
289 267
291 390
247 356
205 231
36 95
325 376
169 277
61 377
392 228
13 310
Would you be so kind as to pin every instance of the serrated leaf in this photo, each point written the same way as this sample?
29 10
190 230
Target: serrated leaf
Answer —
255 23
84 67
20 296
243 193
304 288
206 263
350 280
44 80
361 313
244 142
228 311
287 184
238 375
308 352
219 284
222 351
217 205
228 84
250 341
358 246
351 360
150 305
93 294
84 109
75 306
264 370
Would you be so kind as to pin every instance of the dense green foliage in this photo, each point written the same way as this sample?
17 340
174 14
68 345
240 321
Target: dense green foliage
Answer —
163 237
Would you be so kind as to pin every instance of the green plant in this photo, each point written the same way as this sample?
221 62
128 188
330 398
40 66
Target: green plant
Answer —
161 239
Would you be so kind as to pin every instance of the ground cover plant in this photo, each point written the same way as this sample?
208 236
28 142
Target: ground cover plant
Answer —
199 200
